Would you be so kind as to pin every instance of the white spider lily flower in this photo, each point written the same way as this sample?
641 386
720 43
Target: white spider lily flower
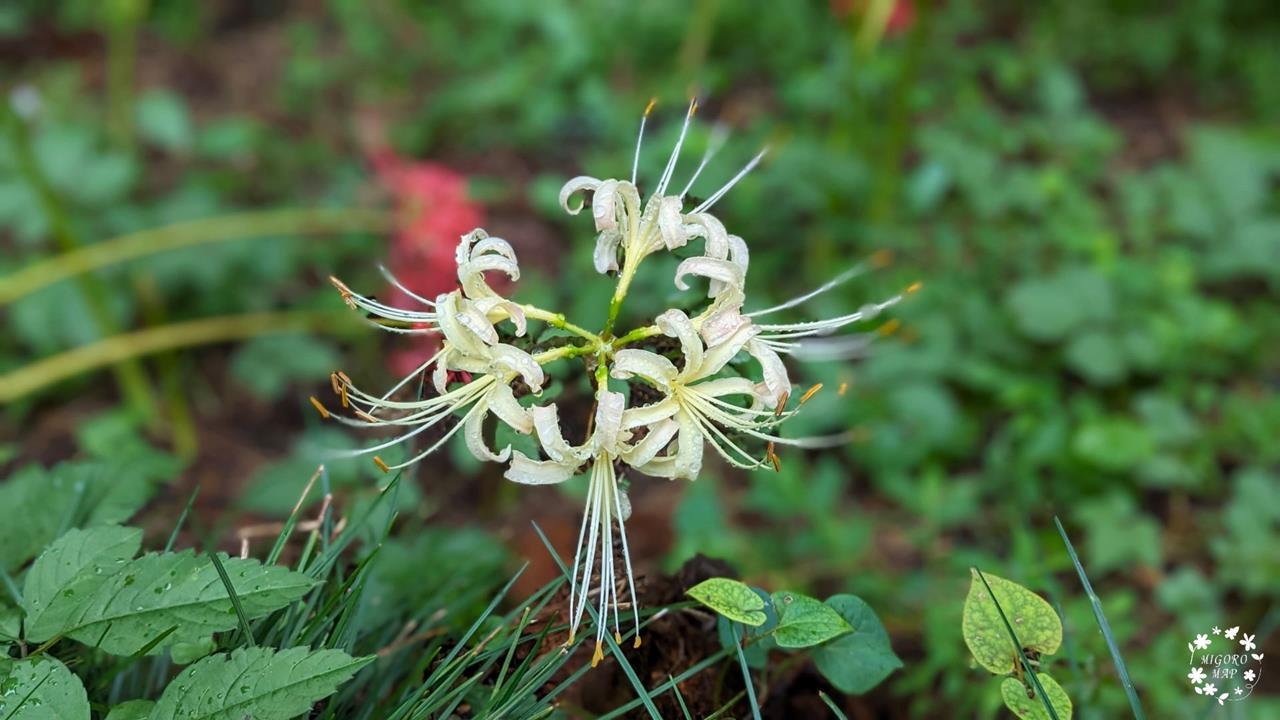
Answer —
606 502
622 224
489 391
694 410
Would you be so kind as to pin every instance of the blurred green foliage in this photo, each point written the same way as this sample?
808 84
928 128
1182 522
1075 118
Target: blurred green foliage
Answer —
1087 190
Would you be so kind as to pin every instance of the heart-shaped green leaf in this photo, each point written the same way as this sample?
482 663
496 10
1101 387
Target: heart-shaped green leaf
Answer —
732 599
1032 618
1025 705
857 661
804 621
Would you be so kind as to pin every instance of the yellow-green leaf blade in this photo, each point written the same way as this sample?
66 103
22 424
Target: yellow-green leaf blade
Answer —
1032 618
732 599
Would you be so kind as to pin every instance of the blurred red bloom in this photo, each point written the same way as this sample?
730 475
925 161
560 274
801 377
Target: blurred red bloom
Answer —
901 17
432 213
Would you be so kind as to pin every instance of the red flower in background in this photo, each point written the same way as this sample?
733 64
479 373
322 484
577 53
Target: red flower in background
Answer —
432 213
901 17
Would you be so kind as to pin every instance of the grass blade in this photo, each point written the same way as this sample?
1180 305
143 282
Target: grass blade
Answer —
1134 704
235 599
831 704
1017 647
746 673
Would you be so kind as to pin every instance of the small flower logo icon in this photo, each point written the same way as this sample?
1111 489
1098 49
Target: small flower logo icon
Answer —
1231 633
1217 630
1210 689
1202 641
1249 675
1246 642
1196 676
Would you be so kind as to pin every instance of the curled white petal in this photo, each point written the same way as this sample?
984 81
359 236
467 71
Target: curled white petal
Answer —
520 362
473 433
605 256
657 440
573 187
642 415
671 224
674 323
503 403
631 362
777 384
546 422
725 271
537 472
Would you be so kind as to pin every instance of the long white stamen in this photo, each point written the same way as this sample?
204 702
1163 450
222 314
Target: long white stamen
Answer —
718 137
706 204
843 277
593 505
675 153
400 286
626 558
829 325
635 163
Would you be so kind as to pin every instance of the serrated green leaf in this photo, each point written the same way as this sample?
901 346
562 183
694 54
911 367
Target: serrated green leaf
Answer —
256 682
132 710
74 566
39 504
857 661
732 599
40 688
1016 698
1033 619
123 606
804 621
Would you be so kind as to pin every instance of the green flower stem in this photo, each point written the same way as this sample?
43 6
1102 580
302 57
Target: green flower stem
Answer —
240 226
557 320
636 335
129 373
619 294
133 345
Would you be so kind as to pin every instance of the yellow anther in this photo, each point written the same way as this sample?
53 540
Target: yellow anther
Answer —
343 394
773 458
649 108
636 644
693 107
782 404
913 287
381 465
598 655
810 393
344 290
844 388
881 258
320 408
365 416
333 382
889 327
617 637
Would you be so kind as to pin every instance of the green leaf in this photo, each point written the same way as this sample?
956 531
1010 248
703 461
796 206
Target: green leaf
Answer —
125 604
804 621
1097 356
1033 619
75 565
1016 697
260 683
163 120
132 710
1050 308
1115 444
39 504
859 660
40 689
732 599
267 365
